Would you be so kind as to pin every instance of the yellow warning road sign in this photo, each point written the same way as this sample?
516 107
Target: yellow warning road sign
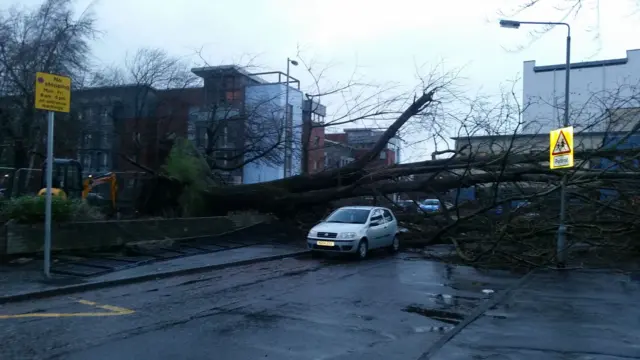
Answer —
53 92
561 148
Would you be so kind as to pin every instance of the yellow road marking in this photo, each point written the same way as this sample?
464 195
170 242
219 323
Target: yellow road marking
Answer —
111 311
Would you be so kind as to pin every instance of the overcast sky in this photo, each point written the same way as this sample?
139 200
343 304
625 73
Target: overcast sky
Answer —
383 39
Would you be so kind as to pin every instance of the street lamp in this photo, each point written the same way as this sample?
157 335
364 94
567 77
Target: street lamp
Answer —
286 121
562 229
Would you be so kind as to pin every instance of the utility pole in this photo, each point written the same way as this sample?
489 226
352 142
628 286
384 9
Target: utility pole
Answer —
561 244
287 126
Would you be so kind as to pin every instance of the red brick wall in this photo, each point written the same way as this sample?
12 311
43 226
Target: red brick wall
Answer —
341 138
359 153
377 162
316 150
146 127
172 119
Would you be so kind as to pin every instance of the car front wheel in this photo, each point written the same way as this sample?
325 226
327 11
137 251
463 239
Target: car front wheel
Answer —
395 245
363 250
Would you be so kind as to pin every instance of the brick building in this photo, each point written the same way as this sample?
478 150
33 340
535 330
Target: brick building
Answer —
313 114
240 120
363 140
338 154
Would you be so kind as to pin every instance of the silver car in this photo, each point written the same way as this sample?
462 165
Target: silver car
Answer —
355 230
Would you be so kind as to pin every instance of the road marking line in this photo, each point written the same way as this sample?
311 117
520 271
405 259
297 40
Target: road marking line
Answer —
112 311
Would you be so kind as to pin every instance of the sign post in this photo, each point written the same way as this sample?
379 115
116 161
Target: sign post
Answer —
561 157
52 93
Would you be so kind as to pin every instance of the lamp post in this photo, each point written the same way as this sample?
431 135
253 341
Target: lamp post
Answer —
286 163
562 229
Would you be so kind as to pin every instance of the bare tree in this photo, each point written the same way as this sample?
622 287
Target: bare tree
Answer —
355 102
287 193
49 38
123 109
566 10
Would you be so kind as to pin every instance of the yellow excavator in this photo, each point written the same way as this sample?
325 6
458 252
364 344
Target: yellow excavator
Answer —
68 181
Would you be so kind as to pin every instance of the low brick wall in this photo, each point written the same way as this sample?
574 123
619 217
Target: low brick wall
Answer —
25 239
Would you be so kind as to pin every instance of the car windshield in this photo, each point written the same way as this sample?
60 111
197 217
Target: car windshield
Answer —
431 202
349 216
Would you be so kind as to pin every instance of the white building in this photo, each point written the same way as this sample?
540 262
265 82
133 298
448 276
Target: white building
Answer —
596 89
245 113
266 103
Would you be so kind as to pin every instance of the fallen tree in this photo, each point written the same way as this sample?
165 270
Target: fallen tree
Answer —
474 229
275 196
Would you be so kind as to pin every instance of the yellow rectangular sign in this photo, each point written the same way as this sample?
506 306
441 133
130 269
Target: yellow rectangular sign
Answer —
561 148
53 92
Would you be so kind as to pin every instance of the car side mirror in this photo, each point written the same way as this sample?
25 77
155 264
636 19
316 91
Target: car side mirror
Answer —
374 223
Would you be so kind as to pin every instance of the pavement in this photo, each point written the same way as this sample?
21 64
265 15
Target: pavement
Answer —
18 285
69 273
556 315
386 307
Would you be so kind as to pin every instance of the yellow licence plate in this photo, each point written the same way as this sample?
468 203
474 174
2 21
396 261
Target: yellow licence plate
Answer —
326 243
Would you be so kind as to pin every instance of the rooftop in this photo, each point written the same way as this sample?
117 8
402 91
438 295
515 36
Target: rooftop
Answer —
583 65
531 136
208 70
257 77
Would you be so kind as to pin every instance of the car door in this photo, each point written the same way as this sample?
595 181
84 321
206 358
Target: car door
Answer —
391 226
376 231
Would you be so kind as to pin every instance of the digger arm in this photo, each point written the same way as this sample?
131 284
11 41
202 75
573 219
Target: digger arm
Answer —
90 182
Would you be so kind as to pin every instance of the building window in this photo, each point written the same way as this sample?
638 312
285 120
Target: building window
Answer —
135 137
99 161
383 155
232 96
86 161
225 136
88 113
105 139
231 82
191 131
225 156
317 118
194 113
86 141
201 136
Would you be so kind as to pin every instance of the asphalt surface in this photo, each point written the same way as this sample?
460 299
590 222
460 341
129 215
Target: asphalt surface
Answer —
387 307
577 315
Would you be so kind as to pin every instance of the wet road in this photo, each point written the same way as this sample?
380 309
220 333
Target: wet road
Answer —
382 308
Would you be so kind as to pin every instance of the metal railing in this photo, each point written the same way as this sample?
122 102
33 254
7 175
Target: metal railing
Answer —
24 181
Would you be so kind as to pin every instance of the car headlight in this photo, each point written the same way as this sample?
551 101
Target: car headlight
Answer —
348 235
312 234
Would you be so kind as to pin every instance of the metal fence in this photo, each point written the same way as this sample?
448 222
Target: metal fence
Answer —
25 181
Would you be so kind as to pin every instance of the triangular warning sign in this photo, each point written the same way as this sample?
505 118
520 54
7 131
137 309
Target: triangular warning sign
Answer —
562 145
